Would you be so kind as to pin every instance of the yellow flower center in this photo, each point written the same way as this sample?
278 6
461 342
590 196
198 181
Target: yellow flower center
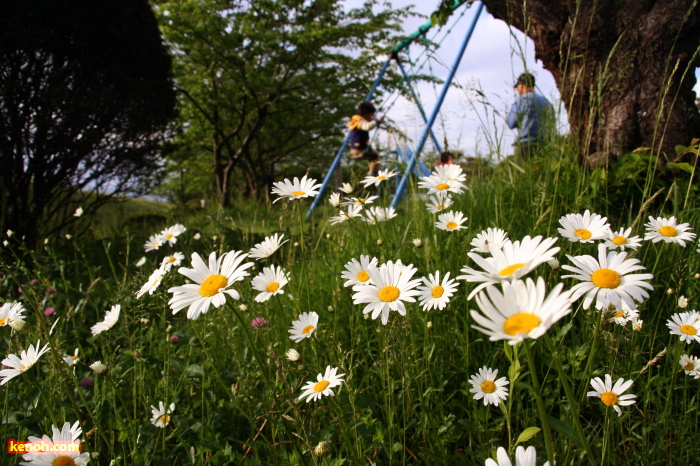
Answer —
488 387
362 199
689 366
510 270
440 207
363 276
689 329
3 321
74 357
298 193
169 236
172 259
608 398
308 329
63 461
165 418
437 291
619 314
605 278
272 287
443 186
381 177
522 322
583 233
389 294
322 385
619 240
23 367
668 230
451 226
212 285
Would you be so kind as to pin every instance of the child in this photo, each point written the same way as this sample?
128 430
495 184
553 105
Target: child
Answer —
360 125
446 158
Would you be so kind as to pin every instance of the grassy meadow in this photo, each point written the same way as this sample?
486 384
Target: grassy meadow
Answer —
405 395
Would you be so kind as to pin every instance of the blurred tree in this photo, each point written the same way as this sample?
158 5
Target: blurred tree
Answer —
625 69
85 97
267 85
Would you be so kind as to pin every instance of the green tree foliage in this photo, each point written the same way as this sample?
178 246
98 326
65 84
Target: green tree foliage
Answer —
266 85
85 96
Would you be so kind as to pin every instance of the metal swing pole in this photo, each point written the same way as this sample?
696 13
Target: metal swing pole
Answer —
339 155
436 110
418 104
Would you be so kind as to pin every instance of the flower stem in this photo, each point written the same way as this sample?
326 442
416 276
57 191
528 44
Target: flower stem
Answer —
253 347
540 404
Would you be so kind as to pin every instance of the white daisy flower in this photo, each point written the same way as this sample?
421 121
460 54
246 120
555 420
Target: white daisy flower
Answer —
417 242
69 436
390 286
686 325
637 324
488 238
297 189
172 261
682 302
584 228
98 367
435 294
668 230
381 176
10 313
624 314
152 283
270 282
154 242
452 172
160 417
322 387
111 318
72 360
451 221
352 211
612 395
621 239
511 262
293 355
523 310
346 188
211 283
268 247
439 184
170 234
356 272
334 200
18 365
361 201
608 279
374 215
78 212
690 364
485 385
523 457
304 327
438 203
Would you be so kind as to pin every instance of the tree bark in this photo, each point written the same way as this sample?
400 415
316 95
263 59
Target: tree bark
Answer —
625 69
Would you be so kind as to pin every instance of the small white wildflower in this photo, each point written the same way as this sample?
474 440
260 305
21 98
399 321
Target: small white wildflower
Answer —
682 302
98 367
293 355
418 242
78 212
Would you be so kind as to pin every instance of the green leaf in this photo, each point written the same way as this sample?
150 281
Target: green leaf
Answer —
565 429
686 167
527 434
195 370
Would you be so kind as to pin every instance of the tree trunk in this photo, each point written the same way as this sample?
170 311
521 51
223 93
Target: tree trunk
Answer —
625 69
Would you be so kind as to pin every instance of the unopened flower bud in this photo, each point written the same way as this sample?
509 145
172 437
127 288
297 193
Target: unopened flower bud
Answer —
669 291
98 367
293 355
682 302
296 245
242 307
379 242
366 316
418 242
197 236
330 309
553 263
430 325
322 449
328 236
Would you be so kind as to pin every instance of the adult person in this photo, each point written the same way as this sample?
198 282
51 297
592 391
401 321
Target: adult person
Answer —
532 114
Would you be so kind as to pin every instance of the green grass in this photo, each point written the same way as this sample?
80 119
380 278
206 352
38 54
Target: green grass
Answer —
405 399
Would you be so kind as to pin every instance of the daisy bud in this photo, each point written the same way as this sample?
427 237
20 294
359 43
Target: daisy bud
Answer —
334 200
17 324
98 367
637 325
330 309
197 236
328 236
553 263
322 449
168 328
346 188
669 291
46 241
214 238
366 316
682 302
6 243
141 261
144 321
418 242
379 242
296 245
242 307
293 355
430 325
68 236
10 233
697 276
78 212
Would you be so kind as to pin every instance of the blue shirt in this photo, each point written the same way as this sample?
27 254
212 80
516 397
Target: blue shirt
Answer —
532 114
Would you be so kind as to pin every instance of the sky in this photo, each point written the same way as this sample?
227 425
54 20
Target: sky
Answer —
472 117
